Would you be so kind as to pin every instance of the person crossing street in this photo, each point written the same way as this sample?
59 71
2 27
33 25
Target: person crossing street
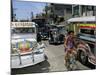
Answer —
69 44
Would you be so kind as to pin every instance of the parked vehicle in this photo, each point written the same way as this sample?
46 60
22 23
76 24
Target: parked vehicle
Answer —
86 39
44 35
25 51
86 48
57 34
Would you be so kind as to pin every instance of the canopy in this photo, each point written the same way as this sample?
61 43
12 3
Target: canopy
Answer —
83 19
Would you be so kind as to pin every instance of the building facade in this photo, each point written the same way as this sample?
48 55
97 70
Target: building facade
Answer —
59 12
83 10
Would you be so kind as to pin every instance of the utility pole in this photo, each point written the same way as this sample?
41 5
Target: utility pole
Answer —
32 16
13 15
11 11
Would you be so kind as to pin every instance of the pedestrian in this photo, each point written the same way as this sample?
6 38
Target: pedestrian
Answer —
39 37
69 44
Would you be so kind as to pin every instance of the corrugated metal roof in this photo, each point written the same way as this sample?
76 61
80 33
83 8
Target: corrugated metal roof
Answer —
82 19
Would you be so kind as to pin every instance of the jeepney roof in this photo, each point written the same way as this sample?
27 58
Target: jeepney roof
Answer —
53 29
60 25
57 25
82 19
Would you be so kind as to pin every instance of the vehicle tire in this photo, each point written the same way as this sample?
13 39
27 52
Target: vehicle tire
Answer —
41 63
45 56
82 57
61 38
49 42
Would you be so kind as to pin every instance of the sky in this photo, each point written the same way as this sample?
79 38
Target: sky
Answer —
23 9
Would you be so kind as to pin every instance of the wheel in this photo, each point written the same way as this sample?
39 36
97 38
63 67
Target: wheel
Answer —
49 42
46 58
83 58
61 37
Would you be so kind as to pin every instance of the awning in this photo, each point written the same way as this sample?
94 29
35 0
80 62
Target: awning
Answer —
82 19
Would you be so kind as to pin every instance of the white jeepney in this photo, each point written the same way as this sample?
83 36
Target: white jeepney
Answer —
25 51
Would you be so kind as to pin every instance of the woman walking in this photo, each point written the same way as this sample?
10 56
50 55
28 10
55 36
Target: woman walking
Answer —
69 44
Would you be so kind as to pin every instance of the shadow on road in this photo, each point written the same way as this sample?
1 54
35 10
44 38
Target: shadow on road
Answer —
56 44
91 65
79 67
39 68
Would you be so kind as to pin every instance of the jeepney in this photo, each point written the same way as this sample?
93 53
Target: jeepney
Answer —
86 38
57 34
25 51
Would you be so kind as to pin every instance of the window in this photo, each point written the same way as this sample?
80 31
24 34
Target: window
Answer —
76 10
89 8
94 11
88 31
84 10
23 30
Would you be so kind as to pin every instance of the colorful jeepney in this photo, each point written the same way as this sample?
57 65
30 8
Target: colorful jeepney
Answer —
25 51
85 29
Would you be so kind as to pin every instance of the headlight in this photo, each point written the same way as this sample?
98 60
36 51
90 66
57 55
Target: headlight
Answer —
13 45
39 51
13 48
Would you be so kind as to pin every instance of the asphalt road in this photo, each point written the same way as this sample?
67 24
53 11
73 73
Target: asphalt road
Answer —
55 62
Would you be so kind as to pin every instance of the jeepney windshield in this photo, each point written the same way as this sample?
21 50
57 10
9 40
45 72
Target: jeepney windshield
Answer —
55 31
23 30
